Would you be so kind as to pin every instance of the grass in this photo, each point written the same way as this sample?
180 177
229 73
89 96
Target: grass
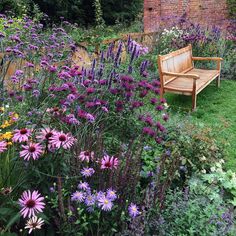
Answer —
216 108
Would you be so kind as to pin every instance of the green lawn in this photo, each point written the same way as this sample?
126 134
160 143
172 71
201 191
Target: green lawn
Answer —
216 107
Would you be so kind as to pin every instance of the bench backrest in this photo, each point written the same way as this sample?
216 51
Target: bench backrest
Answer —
179 61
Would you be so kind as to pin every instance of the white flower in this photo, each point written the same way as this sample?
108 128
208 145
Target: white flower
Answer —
166 105
221 161
34 223
203 158
213 169
203 171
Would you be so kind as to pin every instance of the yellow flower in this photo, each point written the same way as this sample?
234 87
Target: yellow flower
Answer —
5 124
16 115
9 143
7 135
2 109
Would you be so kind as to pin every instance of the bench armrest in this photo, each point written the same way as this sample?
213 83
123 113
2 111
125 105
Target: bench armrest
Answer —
207 58
191 76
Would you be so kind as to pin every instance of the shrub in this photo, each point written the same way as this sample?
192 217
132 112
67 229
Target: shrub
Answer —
198 210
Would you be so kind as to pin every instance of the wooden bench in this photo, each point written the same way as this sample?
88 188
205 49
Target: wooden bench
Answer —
178 74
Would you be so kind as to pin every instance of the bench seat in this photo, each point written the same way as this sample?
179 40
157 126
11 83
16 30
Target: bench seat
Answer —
185 85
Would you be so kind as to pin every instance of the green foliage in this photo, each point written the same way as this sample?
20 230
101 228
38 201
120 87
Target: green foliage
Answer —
82 12
224 180
121 11
194 145
232 8
198 210
18 7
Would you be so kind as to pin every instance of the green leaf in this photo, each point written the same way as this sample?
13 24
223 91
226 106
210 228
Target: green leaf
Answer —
13 220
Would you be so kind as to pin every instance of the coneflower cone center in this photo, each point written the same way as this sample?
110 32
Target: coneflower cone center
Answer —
32 149
108 164
48 135
62 138
23 131
30 203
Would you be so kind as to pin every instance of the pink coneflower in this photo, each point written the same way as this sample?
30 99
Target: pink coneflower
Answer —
78 196
83 186
109 162
87 172
86 156
111 194
3 146
34 223
133 210
31 203
33 150
45 134
59 139
21 135
105 203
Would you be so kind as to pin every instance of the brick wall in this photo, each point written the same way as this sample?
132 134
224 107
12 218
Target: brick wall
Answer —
206 12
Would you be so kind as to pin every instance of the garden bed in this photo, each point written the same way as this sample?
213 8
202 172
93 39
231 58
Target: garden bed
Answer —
93 150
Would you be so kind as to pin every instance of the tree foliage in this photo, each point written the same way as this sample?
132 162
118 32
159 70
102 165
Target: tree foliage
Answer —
82 12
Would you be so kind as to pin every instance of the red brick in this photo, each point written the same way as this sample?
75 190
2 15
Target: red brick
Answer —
208 12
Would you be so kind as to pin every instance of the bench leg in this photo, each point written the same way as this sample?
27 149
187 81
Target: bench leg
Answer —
194 101
161 92
218 81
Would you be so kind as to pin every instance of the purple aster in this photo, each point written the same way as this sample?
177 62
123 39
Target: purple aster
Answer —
100 194
87 172
90 200
78 196
83 186
111 194
133 210
52 189
105 203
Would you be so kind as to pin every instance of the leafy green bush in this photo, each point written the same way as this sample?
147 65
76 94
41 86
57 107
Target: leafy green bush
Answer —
194 145
198 210
226 181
